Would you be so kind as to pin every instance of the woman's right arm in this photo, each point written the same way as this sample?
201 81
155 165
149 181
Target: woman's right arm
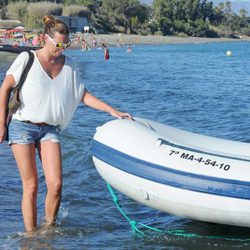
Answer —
5 90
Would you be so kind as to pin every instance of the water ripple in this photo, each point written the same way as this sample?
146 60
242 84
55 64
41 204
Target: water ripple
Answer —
193 87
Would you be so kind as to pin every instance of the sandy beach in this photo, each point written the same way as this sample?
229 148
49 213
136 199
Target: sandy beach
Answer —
116 39
125 40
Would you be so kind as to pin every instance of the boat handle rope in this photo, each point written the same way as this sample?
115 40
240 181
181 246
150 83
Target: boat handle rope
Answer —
177 232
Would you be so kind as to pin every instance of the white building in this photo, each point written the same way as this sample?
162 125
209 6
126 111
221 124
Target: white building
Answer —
75 23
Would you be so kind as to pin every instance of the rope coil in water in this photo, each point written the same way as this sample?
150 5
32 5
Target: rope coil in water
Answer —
181 233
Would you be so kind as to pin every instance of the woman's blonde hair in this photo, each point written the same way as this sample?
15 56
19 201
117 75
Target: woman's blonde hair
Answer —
53 25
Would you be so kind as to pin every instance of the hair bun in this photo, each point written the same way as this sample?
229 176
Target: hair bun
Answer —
48 19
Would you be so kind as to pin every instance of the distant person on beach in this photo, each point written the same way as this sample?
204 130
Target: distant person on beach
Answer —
106 52
38 40
24 41
84 44
35 41
49 96
14 44
118 44
94 43
41 41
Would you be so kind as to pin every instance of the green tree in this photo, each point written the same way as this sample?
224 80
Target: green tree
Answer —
206 10
243 13
92 5
186 16
76 10
17 10
120 12
201 28
163 15
228 7
218 14
191 9
37 11
3 4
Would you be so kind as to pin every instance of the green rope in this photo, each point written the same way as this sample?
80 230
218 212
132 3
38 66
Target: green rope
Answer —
137 232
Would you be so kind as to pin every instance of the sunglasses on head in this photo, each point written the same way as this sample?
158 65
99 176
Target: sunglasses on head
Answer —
59 45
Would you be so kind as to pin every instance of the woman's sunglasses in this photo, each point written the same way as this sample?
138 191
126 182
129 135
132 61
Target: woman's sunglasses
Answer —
59 45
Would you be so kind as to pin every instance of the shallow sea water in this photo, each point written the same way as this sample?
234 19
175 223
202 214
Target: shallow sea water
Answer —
195 87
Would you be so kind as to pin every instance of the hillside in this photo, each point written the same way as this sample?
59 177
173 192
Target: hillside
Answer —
236 5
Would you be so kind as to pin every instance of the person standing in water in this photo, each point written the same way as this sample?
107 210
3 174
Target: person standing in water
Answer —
106 52
129 49
49 96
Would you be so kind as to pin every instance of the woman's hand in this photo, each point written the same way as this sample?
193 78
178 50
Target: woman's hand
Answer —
120 115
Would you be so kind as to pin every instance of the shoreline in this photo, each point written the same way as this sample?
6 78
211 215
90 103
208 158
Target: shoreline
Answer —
123 39
120 40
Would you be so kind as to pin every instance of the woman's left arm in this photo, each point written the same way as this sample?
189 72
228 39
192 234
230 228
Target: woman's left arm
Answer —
96 103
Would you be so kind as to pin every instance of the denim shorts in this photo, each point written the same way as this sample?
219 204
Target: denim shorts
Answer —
21 132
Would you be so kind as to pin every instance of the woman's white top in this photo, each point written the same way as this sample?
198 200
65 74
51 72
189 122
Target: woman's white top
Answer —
44 99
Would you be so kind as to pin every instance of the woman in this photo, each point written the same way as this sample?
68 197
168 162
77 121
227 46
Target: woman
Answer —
49 96
106 52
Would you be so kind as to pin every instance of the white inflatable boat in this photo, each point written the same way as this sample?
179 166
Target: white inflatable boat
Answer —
175 171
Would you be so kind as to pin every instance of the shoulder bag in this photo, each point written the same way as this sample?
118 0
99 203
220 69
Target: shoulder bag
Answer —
14 101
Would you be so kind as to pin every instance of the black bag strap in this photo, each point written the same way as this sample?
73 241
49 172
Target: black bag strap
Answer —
24 74
26 70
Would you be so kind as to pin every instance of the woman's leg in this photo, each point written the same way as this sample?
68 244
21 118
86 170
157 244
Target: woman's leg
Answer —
50 155
25 158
